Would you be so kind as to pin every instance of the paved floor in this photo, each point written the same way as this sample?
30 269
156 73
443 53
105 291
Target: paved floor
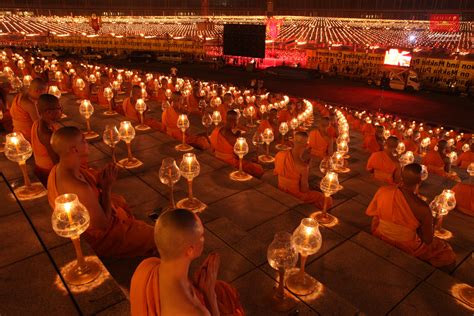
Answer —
358 273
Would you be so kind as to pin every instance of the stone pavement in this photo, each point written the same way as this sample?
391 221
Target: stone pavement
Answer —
359 273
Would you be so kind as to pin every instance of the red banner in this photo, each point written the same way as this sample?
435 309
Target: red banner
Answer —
444 23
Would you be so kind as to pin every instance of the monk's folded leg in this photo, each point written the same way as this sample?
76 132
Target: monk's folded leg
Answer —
199 142
42 175
254 169
154 124
228 299
439 253
316 198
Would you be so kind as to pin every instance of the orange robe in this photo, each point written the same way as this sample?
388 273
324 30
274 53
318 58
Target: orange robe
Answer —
223 108
465 159
289 180
43 161
131 113
100 97
125 236
435 164
332 131
169 121
225 152
383 167
145 292
264 124
22 122
411 145
372 144
464 193
80 94
318 144
393 221
193 103
284 116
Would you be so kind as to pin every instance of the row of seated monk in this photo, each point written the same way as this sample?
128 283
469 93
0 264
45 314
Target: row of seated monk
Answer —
399 217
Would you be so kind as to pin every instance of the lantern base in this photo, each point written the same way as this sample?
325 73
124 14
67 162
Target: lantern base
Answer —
324 219
79 101
424 198
193 205
63 116
183 147
302 284
282 304
34 191
443 233
342 170
142 127
303 128
110 113
130 163
266 159
64 92
240 176
282 147
252 125
82 275
90 135
466 294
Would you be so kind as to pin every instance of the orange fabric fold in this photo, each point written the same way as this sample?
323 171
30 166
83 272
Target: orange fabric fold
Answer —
22 121
42 158
125 236
435 164
464 197
145 292
383 167
394 222
318 144
465 159
289 180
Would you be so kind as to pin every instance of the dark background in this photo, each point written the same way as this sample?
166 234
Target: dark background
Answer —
246 40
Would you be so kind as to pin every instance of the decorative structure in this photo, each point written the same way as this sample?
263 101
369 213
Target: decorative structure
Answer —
241 148
18 149
86 110
189 169
111 138
267 137
183 125
281 256
70 219
141 107
169 174
109 95
127 134
329 185
307 240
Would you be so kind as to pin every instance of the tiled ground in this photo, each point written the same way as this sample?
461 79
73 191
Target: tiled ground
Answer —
359 273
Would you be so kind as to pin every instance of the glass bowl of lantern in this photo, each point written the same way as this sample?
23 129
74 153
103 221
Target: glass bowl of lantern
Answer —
111 138
267 137
18 149
183 125
283 129
294 125
342 147
189 169
241 148
109 95
27 81
282 256
80 85
307 240
338 163
141 107
127 134
406 158
440 207
329 185
69 220
216 118
169 174
206 121
86 110
249 112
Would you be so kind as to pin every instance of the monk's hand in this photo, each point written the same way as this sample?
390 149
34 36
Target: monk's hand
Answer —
208 277
107 176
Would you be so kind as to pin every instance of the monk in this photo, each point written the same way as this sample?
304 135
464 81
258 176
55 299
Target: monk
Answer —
169 121
160 94
49 111
223 139
404 220
113 231
465 195
101 99
437 161
5 117
384 164
225 106
270 122
375 141
320 142
23 108
466 158
293 171
130 112
162 287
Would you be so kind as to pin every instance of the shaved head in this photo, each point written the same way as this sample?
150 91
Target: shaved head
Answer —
231 117
176 231
47 102
38 84
442 144
324 121
411 174
65 138
391 142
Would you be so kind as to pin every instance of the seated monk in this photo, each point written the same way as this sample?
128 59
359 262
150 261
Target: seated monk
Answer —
437 161
5 117
23 108
375 141
160 94
49 111
225 106
466 158
131 113
320 143
410 142
465 196
169 121
293 172
162 287
223 139
113 231
101 99
402 219
271 122
384 164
